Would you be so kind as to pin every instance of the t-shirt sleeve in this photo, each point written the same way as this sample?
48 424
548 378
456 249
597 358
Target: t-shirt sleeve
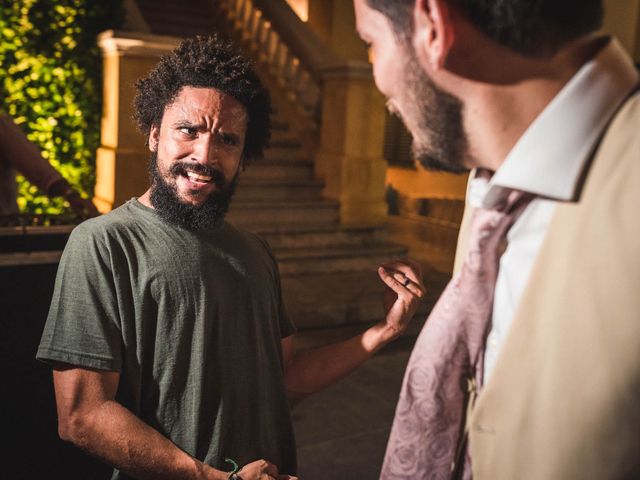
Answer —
287 327
83 325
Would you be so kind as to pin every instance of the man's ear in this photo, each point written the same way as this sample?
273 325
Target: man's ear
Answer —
433 34
154 136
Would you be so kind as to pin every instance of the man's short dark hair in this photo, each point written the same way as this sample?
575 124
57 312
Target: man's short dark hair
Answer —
210 63
534 28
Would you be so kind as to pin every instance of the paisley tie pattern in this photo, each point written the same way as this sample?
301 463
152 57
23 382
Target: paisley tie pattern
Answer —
427 431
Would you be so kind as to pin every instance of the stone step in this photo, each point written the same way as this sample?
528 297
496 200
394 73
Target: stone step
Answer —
253 214
286 152
286 136
279 125
321 235
284 140
330 301
338 305
333 299
259 189
296 261
282 169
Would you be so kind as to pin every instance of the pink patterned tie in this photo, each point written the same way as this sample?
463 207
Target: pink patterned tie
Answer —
427 437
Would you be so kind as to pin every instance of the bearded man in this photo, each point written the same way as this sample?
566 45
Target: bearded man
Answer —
529 365
172 351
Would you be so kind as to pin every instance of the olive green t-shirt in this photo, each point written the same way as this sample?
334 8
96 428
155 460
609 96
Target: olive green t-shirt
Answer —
193 321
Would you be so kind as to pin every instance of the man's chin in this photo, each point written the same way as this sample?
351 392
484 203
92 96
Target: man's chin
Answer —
194 199
189 209
433 161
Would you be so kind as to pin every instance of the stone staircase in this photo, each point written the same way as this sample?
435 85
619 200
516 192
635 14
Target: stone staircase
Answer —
328 270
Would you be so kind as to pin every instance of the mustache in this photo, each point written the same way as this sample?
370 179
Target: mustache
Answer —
181 168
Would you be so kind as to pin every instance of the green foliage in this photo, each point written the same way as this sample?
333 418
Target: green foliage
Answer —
51 84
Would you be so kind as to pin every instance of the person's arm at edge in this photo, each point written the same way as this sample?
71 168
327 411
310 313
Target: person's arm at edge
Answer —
22 154
312 370
91 418
26 157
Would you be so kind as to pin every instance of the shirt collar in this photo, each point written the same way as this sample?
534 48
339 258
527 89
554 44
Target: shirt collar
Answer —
549 157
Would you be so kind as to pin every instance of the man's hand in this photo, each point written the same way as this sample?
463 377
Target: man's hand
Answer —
262 470
403 295
82 207
312 370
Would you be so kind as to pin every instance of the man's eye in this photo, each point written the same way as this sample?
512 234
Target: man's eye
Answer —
189 131
229 140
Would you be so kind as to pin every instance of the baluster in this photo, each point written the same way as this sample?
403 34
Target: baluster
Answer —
246 17
263 38
296 79
252 28
277 55
285 55
239 6
311 94
239 12
290 76
229 8
257 32
286 70
272 44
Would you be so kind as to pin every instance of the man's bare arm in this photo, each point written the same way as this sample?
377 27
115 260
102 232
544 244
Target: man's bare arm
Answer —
310 371
90 418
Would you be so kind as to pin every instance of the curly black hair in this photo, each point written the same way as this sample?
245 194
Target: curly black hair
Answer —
210 63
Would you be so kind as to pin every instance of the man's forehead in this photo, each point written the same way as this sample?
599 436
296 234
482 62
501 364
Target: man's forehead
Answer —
207 101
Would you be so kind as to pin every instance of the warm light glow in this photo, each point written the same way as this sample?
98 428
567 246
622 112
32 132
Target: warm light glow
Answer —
301 7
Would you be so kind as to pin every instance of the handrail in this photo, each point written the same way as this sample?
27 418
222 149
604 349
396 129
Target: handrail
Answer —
292 53
288 48
314 54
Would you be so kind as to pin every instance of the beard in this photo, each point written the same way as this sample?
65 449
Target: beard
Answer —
166 202
434 119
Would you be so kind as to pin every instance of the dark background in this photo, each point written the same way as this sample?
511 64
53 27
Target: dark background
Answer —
30 446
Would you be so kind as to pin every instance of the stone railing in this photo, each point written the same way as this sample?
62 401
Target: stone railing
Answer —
291 52
336 100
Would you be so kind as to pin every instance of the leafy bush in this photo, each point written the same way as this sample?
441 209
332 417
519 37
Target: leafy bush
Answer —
51 84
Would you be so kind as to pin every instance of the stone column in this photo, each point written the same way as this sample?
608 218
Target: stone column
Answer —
350 156
122 159
334 22
351 143
622 19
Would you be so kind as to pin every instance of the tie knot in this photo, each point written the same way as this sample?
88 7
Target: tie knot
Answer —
497 197
489 226
512 202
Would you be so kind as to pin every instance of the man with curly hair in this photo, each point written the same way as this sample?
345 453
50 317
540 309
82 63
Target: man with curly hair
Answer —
541 106
172 352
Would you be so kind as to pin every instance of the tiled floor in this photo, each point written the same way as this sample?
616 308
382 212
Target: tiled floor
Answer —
342 431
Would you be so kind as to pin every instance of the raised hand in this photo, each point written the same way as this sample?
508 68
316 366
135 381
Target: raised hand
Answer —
403 295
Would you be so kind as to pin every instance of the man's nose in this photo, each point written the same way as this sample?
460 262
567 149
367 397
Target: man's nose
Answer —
204 150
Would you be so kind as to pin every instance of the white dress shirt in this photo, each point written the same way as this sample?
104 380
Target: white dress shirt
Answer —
548 160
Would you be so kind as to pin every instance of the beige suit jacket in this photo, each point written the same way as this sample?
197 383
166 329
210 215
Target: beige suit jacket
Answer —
563 401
